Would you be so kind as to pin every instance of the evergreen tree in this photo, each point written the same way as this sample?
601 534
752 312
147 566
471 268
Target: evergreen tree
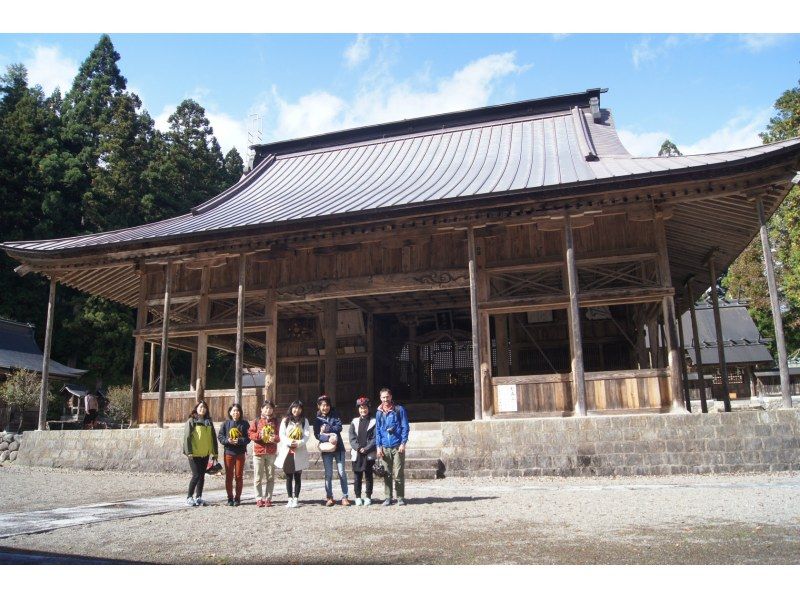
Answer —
234 167
745 277
189 168
669 149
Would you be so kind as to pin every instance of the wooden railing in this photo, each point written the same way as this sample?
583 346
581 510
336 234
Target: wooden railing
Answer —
606 392
178 405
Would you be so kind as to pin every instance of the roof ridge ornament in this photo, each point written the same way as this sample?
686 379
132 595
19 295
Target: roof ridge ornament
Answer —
584 137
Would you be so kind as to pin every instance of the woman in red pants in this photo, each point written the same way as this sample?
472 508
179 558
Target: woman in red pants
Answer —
233 436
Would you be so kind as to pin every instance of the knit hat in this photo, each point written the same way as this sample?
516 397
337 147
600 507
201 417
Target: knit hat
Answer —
362 402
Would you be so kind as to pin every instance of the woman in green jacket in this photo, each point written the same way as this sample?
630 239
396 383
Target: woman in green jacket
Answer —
199 443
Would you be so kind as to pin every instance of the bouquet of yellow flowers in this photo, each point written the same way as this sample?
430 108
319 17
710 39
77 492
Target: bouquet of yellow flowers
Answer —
268 433
234 434
296 433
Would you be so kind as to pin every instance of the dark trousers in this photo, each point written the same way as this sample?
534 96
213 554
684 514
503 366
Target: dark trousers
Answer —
234 468
296 477
361 475
198 465
90 417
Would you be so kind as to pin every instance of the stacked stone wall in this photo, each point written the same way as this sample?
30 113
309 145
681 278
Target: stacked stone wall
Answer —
657 444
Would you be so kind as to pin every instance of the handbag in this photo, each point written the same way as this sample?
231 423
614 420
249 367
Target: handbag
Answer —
378 469
288 464
327 447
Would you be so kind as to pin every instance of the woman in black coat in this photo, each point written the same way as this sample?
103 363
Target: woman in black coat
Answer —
362 450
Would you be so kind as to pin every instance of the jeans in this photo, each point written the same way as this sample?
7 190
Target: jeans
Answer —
327 461
264 467
198 466
395 462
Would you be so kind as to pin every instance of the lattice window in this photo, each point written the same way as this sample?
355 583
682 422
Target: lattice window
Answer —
308 373
351 370
531 361
617 276
287 374
447 362
526 284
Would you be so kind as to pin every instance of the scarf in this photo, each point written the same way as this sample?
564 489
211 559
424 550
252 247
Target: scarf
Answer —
388 408
363 424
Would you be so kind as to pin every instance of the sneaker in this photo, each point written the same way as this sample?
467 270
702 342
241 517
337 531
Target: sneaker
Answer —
401 502
345 502
359 502
236 502
329 503
190 501
230 502
200 502
267 503
290 503
367 501
295 502
260 503
386 502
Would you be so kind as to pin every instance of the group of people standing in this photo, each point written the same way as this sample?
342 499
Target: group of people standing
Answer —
380 439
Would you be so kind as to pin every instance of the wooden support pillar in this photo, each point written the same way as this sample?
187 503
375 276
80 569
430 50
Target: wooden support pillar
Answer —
475 324
751 379
723 365
413 357
162 374
485 351
202 337
684 373
698 359
777 318
574 319
370 356
240 326
330 323
193 371
138 352
501 339
271 365
48 341
668 312
654 340
151 371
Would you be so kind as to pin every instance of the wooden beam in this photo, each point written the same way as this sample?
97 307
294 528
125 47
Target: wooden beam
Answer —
202 337
44 392
668 309
373 285
371 355
501 339
215 328
574 319
271 348
138 353
151 371
777 318
684 372
472 267
330 323
701 382
162 375
587 299
240 327
723 365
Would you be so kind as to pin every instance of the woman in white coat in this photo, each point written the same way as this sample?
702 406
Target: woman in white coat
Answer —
292 452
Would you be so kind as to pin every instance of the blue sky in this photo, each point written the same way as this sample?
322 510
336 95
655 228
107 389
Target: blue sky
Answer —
706 92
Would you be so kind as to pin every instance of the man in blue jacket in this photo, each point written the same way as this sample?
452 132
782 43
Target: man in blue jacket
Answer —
391 436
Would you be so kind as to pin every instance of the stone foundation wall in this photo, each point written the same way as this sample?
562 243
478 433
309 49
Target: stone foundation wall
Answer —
657 444
141 449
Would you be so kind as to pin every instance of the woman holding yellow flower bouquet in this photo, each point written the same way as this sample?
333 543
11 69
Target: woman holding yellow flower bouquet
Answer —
292 453
264 434
233 436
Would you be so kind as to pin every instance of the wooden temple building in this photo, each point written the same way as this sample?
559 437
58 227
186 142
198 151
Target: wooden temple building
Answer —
506 261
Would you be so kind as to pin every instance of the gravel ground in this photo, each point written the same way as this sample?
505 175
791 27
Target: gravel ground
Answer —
672 520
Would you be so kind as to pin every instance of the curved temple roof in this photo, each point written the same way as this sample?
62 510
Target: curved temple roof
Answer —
567 142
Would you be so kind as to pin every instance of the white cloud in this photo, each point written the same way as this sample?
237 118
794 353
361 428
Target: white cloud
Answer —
756 42
381 99
740 131
358 51
643 52
643 144
50 69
